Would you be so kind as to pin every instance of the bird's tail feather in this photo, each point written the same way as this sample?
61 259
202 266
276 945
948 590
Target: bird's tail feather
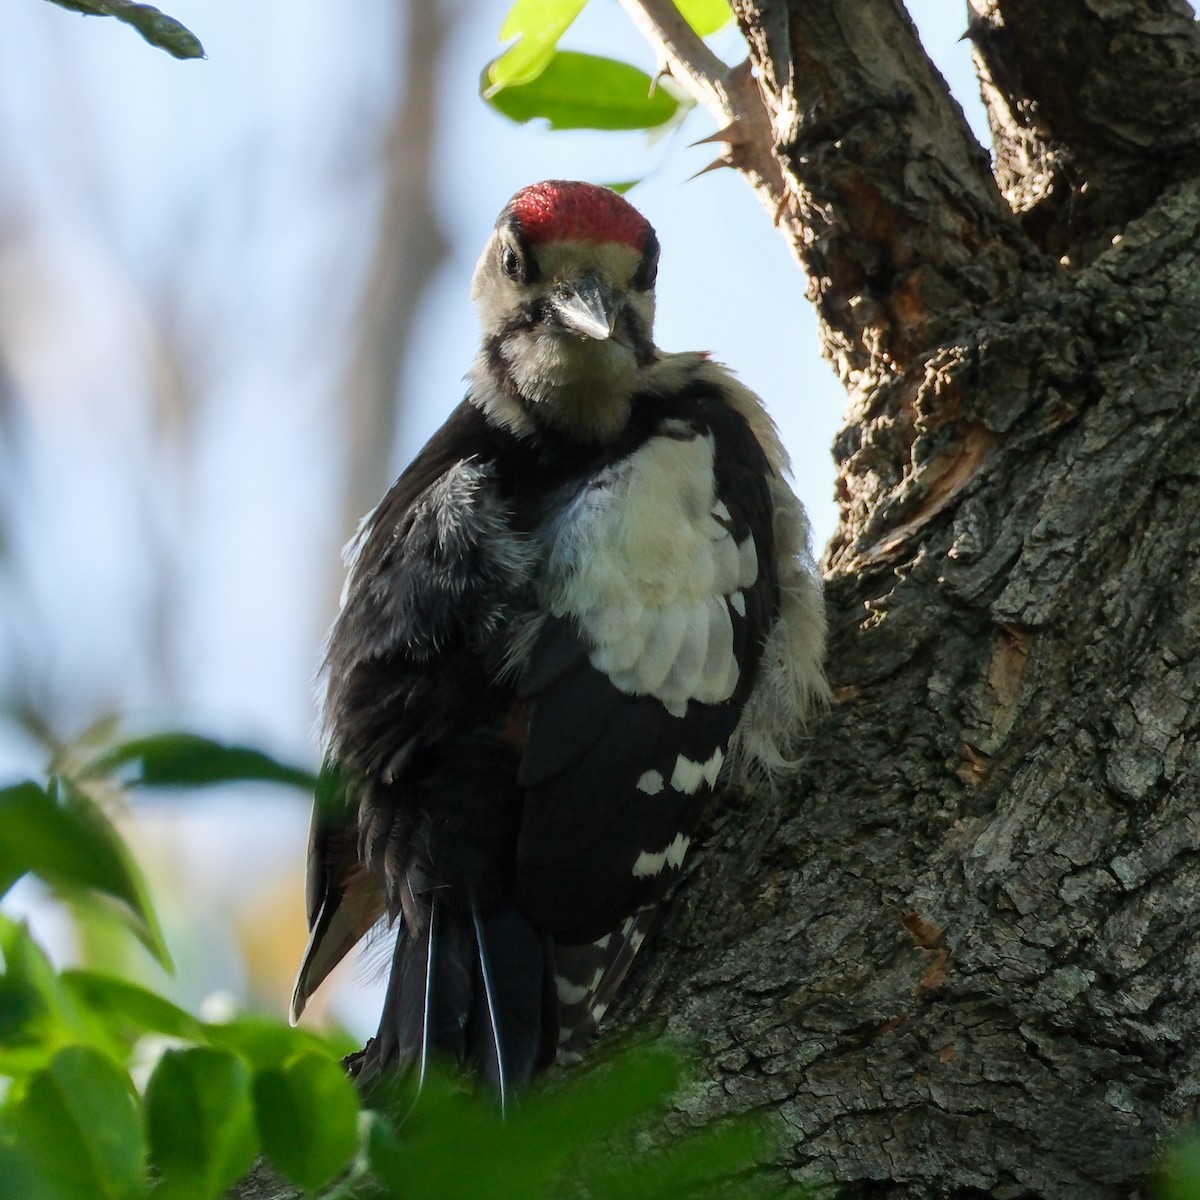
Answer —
587 978
467 988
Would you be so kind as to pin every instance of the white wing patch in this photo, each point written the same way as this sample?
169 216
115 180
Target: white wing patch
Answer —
644 560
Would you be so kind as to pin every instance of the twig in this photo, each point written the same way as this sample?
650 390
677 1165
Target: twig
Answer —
730 94
701 74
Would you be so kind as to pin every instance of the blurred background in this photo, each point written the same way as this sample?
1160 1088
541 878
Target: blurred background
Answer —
233 303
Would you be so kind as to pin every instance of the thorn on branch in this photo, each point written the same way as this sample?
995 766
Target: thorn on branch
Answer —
735 134
715 165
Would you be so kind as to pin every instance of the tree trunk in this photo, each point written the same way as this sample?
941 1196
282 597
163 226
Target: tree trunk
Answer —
960 958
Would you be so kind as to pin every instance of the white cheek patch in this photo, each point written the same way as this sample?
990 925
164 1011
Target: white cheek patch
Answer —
645 562
649 865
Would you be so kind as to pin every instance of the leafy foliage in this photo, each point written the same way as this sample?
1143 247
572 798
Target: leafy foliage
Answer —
77 1118
82 1115
307 1118
585 91
534 77
537 26
706 17
59 833
216 1145
186 760
156 27
1178 1176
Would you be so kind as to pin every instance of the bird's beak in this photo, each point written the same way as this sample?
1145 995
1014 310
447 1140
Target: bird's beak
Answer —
587 307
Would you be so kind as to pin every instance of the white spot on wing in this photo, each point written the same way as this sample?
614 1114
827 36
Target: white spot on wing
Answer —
721 511
568 992
687 776
650 782
649 865
712 768
677 849
737 602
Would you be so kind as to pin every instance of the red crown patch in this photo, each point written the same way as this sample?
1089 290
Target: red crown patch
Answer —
559 210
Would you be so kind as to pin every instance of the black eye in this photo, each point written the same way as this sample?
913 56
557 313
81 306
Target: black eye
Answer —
647 271
510 262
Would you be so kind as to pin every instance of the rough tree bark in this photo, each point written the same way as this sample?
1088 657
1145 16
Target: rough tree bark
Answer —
960 958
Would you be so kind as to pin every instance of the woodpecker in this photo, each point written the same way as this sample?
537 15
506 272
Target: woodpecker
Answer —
587 604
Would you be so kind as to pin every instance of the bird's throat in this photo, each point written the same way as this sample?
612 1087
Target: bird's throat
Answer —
580 387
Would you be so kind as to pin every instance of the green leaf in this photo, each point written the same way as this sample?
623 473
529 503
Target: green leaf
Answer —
456 1147
37 835
538 25
137 909
308 1119
706 17
156 27
585 91
128 1008
20 1177
72 846
21 1009
79 1127
1178 1174
188 760
266 1043
39 1016
690 1166
200 1118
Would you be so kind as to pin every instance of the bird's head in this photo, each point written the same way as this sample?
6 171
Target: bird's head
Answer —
565 291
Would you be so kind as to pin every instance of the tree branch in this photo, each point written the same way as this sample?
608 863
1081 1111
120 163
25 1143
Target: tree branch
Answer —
692 64
1093 114
730 94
